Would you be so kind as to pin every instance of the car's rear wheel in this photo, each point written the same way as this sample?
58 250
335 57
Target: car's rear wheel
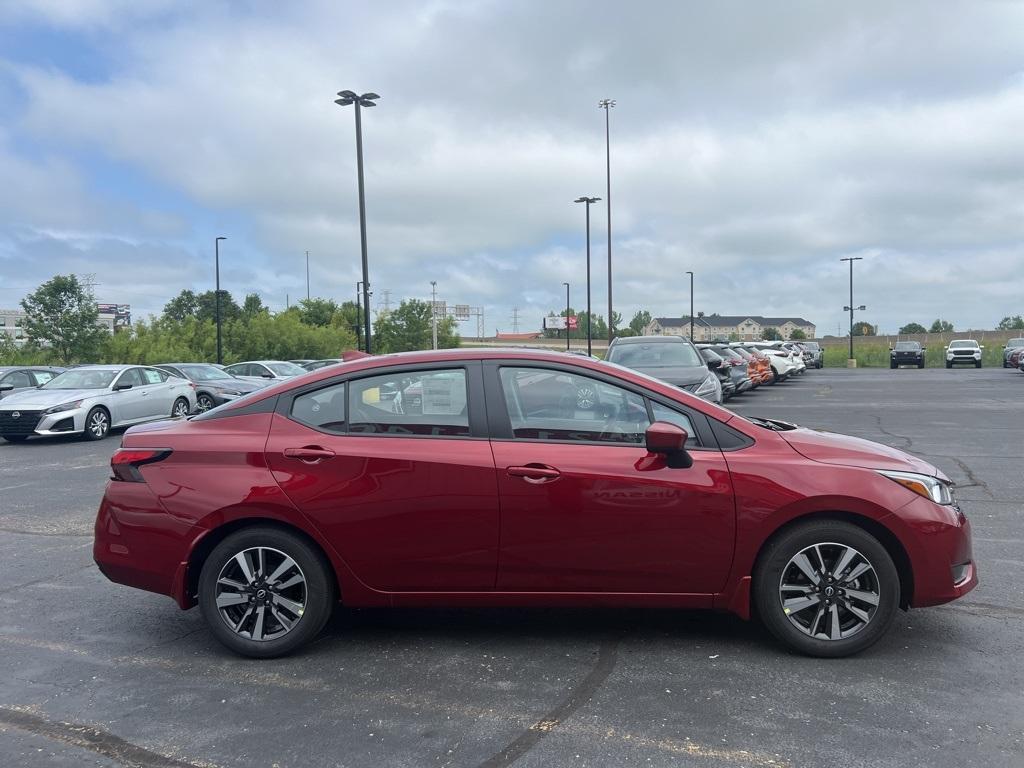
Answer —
204 403
180 408
97 424
264 592
826 588
15 438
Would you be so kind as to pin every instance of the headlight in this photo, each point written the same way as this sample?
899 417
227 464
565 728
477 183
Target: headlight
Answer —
707 386
226 391
63 407
923 485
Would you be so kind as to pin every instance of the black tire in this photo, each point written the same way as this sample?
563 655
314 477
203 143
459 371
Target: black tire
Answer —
978 364
920 363
97 423
204 402
180 409
15 438
318 592
775 377
893 366
949 365
832 536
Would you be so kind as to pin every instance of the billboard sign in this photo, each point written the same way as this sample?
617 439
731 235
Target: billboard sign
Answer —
559 323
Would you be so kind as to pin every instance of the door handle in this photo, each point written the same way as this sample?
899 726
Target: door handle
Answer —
535 473
310 454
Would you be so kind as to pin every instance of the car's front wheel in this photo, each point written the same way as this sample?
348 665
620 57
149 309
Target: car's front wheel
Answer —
204 402
97 424
826 588
264 592
180 408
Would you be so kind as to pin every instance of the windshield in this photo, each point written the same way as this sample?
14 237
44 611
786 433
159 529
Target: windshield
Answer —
1015 343
286 369
83 378
202 372
962 344
912 346
663 355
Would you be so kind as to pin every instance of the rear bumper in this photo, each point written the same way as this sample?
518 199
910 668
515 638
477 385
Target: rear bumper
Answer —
138 544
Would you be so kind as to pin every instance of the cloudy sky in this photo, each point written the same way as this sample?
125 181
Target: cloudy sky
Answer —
753 143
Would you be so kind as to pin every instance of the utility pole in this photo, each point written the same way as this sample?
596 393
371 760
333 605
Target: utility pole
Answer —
589 201
307 275
387 300
606 105
433 312
567 317
515 319
852 361
691 305
216 299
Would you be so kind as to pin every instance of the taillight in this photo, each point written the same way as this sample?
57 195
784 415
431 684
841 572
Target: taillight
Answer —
125 462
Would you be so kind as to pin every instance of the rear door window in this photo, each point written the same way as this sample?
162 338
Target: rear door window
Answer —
323 409
429 403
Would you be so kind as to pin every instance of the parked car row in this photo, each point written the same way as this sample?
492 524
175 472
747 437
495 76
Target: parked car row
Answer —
1013 354
714 371
90 400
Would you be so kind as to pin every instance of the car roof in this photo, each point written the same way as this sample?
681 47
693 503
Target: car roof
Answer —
178 365
261 362
650 339
109 367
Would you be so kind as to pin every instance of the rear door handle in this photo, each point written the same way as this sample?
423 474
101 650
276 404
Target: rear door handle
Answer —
310 454
535 473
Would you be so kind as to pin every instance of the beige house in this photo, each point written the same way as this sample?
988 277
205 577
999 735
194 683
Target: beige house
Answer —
737 327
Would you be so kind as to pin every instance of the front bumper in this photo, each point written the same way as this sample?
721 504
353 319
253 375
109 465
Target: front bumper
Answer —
973 359
35 423
938 543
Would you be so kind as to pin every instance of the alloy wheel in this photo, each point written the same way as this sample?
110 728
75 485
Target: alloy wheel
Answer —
204 403
261 593
829 591
98 424
180 409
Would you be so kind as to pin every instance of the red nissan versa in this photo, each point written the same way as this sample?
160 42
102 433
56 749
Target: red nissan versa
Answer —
498 487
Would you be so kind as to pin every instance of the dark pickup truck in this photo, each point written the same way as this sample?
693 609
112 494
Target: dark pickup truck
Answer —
906 353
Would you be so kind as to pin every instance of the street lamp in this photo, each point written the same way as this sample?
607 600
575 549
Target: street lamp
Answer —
216 299
590 201
366 100
606 105
307 275
433 312
566 316
691 304
851 308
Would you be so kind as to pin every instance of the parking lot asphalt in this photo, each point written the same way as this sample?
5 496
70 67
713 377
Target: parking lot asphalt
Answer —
92 673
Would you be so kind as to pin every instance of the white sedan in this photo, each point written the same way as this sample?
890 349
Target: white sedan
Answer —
92 399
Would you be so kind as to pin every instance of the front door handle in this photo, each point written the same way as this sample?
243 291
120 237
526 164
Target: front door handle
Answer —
310 454
535 473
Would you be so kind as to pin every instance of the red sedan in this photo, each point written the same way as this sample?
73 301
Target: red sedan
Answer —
500 488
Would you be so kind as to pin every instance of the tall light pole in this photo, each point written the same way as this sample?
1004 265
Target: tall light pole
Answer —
366 100
216 298
691 304
307 275
606 105
566 316
433 312
851 308
589 201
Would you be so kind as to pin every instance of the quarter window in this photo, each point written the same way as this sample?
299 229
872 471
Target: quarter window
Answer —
152 376
323 409
430 403
554 405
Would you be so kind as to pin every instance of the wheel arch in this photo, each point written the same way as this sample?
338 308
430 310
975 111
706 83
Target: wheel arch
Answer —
885 536
205 545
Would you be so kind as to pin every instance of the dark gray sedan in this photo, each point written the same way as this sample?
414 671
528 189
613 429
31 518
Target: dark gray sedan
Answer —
213 386
16 378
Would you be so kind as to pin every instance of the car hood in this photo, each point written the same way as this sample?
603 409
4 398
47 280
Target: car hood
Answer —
679 376
832 448
34 399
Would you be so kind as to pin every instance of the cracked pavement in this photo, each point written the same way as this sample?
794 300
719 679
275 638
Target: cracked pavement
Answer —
96 674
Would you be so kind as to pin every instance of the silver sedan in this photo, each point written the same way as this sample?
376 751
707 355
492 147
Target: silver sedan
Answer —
92 399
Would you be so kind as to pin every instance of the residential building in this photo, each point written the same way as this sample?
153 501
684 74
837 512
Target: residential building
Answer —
736 327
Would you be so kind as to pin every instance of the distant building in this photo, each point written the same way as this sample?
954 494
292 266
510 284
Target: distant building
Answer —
112 317
738 327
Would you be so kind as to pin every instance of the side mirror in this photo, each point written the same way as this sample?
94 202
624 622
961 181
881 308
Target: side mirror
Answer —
6 387
670 440
120 387
712 364
266 375
981 347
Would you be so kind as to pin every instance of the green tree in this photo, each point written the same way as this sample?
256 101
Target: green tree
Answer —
1014 323
616 322
185 304
408 328
253 305
62 314
912 328
771 334
207 306
317 311
863 329
797 334
640 321
941 326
